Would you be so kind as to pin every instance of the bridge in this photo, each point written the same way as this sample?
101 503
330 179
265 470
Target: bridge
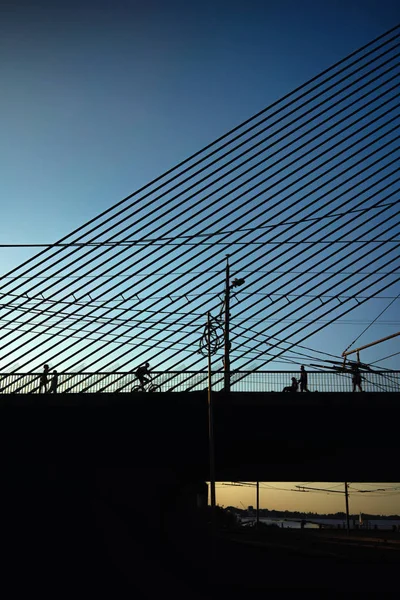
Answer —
284 228
257 436
260 432
273 246
195 381
283 236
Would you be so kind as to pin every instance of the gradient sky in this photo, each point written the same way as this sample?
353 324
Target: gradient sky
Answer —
98 98
368 498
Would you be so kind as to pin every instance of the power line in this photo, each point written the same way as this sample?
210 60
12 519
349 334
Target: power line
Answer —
364 53
325 155
160 273
372 322
227 243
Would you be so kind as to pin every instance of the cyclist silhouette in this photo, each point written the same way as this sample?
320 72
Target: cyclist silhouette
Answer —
140 373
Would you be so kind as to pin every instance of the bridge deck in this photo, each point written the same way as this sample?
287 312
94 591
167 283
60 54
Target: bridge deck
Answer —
258 436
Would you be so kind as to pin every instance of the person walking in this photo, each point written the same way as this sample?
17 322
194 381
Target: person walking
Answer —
303 380
54 383
44 379
356 379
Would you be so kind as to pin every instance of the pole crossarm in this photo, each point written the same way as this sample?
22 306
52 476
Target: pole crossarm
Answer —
354 350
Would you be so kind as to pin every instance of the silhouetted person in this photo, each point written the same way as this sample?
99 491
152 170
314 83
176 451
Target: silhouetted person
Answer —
44 380
303 380
140 373
54 383
293 387
356 378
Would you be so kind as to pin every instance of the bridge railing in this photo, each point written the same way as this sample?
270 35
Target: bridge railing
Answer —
192 381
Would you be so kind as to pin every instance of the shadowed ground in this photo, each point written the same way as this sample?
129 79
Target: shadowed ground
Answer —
72 532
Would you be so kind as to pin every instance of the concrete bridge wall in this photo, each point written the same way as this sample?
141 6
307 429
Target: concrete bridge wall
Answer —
265 437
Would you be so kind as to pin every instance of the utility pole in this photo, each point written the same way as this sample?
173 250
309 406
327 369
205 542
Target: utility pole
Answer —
346 493
211 426
209 344
227 343
258 504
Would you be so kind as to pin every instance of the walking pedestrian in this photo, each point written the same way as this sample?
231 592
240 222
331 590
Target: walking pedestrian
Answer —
44 380
54 383
303 380
356 377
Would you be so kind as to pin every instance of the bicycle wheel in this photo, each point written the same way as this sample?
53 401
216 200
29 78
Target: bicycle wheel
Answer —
137 388
154 388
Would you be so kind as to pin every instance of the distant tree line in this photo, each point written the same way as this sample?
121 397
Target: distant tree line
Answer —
285 514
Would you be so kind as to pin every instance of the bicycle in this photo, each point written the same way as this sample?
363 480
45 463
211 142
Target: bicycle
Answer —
149 386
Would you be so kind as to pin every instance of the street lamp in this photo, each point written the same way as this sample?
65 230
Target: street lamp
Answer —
210 343
227 344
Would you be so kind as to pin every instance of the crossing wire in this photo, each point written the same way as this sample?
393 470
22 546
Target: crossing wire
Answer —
205 210
366 50
67 265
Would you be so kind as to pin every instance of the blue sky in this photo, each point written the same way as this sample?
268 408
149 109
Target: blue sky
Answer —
100 98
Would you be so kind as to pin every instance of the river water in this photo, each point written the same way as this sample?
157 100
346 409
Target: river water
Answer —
381 524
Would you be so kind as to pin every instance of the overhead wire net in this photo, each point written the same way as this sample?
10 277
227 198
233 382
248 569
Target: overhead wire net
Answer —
303 197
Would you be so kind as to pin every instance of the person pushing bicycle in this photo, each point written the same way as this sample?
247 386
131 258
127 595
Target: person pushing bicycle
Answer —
141 372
